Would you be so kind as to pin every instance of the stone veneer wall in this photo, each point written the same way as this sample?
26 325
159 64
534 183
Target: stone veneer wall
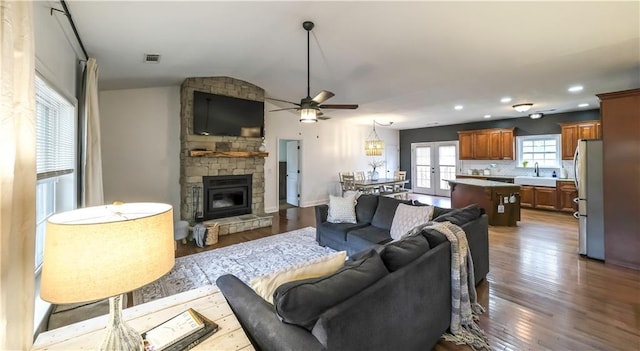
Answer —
192 169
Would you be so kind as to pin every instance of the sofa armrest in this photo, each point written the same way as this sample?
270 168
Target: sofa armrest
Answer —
259 320
322 212
478 238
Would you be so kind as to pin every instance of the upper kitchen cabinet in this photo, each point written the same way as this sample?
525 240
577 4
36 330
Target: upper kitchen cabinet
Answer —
620 115
486 144
573 131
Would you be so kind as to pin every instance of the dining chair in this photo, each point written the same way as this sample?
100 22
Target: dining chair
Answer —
348 183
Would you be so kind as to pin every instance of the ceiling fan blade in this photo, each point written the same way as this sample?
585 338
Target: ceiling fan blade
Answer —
340 106
323 96
323 118
284 109
289 102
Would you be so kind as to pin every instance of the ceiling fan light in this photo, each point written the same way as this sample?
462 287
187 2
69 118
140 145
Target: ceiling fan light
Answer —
308 115
522 107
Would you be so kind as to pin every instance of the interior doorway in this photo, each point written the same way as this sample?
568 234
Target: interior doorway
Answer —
431 165
288 173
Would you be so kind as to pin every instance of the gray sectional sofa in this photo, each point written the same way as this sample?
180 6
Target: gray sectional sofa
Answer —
374 215
394 297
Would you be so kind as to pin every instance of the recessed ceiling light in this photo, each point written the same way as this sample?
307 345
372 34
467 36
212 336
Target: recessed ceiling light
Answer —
583 105
458 107
576 88
505 100
535 115
487 116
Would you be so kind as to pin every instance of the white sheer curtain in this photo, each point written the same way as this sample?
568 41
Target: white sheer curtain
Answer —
17 175
93 191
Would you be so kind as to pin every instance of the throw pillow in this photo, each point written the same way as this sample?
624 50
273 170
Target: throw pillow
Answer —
460 216
408 217
342 209
266 285
397 254
302 302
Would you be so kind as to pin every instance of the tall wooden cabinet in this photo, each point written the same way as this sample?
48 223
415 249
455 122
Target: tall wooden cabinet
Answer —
573 131
620 116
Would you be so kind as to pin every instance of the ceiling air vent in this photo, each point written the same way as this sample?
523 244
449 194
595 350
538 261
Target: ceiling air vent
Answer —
151 58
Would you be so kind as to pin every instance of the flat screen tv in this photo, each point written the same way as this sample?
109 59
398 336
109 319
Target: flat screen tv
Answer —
225 115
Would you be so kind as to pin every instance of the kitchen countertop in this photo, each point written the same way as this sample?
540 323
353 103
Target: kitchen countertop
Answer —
482 183
485 176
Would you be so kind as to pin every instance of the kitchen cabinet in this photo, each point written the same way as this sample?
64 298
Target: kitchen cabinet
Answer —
526 196
486 144
571 132
538 197
620 115
544 198
566 191
465 145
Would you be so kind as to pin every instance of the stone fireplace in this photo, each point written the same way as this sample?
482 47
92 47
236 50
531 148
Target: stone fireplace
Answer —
235 162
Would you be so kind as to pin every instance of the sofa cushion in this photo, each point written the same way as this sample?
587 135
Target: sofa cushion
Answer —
365 238
302 302
338 231
385 211
342 209
397 254
460 216
408 217
366 208
266 285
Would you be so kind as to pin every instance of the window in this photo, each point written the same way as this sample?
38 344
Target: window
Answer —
55 159
544 149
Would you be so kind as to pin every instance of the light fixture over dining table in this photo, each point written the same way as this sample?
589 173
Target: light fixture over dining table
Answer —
374 146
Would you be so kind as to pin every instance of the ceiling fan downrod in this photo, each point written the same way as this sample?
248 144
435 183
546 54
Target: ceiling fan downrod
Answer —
308 26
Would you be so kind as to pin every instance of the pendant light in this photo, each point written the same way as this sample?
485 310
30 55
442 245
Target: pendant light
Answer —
374 146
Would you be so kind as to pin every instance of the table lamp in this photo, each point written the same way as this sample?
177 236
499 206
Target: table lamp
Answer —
104 251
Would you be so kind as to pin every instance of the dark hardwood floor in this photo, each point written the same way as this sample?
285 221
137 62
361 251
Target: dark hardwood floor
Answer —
539 294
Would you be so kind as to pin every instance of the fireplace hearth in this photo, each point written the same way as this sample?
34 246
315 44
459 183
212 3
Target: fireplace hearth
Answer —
226 196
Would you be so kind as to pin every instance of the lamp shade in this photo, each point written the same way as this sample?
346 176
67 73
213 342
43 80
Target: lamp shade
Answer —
103 251
373 147
308 115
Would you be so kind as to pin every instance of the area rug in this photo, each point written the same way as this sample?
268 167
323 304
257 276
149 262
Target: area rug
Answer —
245 260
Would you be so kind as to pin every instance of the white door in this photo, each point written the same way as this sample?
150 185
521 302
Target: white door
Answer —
391 155
293 172
431 165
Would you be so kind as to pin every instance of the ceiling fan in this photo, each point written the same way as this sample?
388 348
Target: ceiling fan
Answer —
310 108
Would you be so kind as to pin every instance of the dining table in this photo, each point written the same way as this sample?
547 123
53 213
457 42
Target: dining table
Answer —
369 185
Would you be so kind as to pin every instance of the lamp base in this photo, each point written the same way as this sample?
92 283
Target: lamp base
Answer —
119 335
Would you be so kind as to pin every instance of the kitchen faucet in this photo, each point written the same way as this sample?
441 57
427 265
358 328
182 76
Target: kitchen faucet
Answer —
536 169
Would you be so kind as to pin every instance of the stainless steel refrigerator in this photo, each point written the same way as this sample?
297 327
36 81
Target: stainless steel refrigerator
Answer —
587 163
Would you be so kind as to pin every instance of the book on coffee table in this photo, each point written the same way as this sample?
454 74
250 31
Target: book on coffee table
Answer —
180 332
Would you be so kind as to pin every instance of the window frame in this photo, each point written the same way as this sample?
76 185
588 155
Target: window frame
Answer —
60 185
558 151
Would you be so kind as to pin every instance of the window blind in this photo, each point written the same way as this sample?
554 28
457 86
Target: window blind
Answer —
55 132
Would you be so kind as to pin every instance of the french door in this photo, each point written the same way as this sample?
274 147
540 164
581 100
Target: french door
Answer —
431 165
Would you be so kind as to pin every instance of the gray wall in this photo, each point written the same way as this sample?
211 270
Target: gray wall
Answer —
548 124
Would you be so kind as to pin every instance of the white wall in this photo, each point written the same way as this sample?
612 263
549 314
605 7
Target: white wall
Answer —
327 148
141 145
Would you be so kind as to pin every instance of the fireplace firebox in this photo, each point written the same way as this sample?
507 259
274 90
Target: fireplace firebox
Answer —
226 196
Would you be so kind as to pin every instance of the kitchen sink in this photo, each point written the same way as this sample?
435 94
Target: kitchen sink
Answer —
535 181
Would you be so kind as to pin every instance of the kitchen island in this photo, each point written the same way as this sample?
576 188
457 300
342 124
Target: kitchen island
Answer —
501 201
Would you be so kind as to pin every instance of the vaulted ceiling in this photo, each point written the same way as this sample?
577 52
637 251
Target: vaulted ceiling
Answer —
406 62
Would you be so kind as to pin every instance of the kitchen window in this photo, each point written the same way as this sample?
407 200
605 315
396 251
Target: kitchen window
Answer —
55 159
543 149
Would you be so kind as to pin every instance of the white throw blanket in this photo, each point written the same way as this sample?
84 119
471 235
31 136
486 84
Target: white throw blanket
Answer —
464 306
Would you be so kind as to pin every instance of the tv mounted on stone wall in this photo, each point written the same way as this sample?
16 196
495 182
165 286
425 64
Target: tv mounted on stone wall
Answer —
227 116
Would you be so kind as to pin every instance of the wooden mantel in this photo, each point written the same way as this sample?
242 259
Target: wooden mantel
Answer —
208 153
